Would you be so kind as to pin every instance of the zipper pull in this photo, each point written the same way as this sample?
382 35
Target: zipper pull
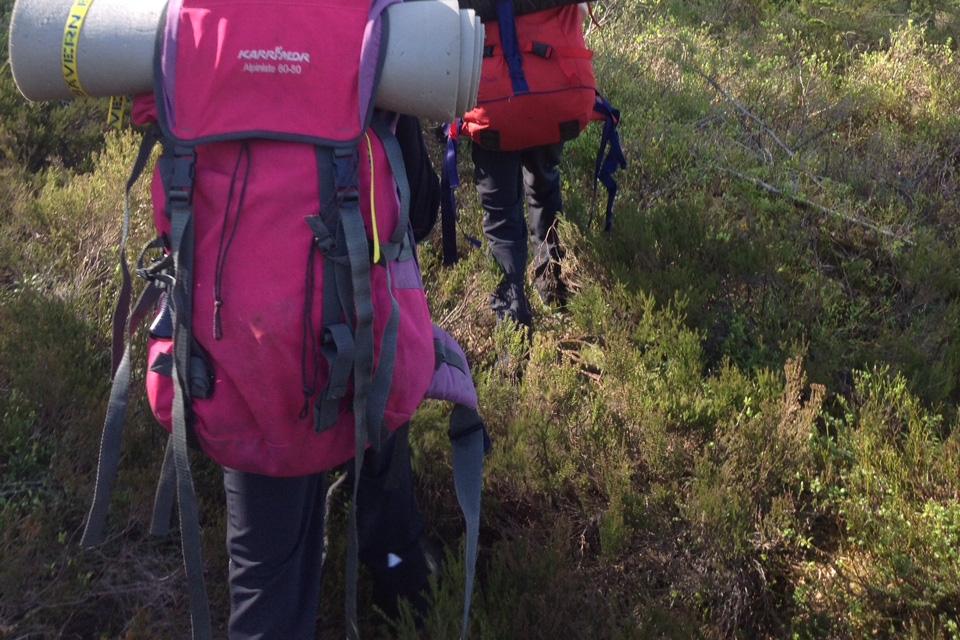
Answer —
217 323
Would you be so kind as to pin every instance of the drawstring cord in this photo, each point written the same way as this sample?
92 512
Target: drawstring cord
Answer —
224 249
309 337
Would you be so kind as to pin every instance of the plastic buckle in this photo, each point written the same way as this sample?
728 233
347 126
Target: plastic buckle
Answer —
348 195
183 174
345 163
542 50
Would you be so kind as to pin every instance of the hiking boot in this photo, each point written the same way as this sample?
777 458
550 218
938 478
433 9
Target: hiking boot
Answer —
550 286
547 273
510 302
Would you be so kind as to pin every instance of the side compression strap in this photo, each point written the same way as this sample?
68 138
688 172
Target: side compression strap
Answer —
111 440
614 160
124 325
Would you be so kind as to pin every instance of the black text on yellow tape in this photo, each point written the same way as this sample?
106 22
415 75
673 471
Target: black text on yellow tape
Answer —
71 41
118 109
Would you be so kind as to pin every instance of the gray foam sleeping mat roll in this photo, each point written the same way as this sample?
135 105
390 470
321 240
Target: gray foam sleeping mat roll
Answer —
115 54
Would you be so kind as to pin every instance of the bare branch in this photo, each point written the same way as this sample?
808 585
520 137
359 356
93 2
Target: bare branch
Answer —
742 108
857 220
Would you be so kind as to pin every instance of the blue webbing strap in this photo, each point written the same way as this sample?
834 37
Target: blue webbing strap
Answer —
511 46
607 165
449 182
449 209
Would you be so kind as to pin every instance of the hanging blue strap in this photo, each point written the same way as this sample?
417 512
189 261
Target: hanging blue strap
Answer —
511 46
608 161
449 181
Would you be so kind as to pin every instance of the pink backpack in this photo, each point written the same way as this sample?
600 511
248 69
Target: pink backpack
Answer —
293 329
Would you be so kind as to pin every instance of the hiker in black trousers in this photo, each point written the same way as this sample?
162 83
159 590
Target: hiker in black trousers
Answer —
275 544
504 179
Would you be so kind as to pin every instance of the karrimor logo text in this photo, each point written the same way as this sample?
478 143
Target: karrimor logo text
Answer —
262 60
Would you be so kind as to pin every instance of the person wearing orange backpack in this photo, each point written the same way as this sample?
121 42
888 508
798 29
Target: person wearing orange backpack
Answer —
537 91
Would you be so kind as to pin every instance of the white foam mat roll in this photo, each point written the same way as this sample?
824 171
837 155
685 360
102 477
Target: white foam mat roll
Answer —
431 67
479 41
432 63
114 52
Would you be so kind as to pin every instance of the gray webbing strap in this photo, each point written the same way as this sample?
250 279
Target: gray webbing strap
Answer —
125 323
395 158
166 495
112 438
355 236
394 250
338 350
383 378
448 356
328 240
179 197
469 441
126 289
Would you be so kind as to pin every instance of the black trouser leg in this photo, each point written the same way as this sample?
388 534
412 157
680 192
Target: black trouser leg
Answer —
541 181
390 526
498 176
275 542
541 185
500 186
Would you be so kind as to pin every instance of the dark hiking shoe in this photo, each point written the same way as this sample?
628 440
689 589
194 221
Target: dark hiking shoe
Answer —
547 272
510 302
550 286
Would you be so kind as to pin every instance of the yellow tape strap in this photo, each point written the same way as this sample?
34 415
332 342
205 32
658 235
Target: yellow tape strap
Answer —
373 203
71 41
118 107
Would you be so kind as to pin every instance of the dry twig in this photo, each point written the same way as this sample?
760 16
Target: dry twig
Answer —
801 201
742 109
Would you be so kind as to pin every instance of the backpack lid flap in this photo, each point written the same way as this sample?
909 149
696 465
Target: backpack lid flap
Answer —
281 69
